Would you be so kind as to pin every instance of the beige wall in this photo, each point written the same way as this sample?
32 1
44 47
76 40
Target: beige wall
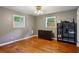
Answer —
67 15
7 32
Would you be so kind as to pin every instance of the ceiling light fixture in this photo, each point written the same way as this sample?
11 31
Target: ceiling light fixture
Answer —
38 10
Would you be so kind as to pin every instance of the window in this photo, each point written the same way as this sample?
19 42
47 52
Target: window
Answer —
18 21
51 22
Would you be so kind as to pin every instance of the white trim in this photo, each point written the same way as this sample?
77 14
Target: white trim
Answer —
20 40
17 40
14 26
47 20
35 35
54 38
77 44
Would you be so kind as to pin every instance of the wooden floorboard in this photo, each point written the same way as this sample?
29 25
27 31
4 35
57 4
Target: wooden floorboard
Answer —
37 45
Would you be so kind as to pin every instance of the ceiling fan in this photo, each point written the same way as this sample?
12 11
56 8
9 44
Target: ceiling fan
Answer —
39 10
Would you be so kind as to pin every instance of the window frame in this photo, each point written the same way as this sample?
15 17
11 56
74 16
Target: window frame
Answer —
47 20
14 25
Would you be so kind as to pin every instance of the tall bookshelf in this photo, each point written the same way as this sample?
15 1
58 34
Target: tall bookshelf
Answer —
66 31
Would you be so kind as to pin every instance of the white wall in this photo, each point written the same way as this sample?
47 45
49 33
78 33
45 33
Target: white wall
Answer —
6 26
78 27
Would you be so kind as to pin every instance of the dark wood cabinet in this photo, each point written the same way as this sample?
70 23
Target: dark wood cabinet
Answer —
45 34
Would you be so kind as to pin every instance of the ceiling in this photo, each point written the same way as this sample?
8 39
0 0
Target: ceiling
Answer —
46 9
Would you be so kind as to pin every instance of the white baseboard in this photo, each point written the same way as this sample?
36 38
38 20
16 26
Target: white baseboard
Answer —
17 40
54 38
77 44
35 35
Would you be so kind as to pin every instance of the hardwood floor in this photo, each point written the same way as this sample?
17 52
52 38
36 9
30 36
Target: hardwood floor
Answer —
37 45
